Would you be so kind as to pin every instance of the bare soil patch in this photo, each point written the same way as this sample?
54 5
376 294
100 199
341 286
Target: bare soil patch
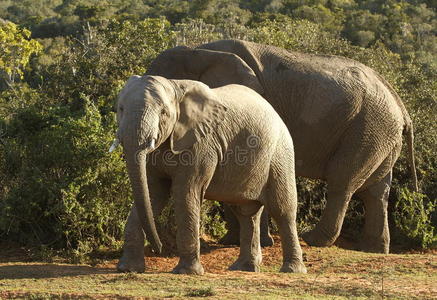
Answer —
332 273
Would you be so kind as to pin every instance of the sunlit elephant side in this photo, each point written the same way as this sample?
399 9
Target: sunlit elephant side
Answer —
225 144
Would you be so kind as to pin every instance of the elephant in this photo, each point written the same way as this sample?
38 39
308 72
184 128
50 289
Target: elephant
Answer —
346 121
183 140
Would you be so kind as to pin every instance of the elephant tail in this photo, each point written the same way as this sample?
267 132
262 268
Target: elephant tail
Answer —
410 145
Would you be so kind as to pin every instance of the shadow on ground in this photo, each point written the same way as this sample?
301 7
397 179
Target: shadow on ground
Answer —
48 271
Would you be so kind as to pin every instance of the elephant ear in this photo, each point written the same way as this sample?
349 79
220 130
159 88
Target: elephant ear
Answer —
214 68
221 68
200 113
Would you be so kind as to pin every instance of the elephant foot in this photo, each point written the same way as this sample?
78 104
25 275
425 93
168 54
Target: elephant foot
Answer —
130 262
192 268
374 245
293 267
318 238
266 240
248 265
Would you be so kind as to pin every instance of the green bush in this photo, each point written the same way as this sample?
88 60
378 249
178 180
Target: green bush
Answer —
103 59
60 187
413 217
63 188
212 223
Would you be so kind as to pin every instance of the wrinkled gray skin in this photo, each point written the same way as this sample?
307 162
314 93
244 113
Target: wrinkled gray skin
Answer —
226 144
346 122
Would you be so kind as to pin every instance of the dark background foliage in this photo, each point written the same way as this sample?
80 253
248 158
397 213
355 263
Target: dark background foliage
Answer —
59 186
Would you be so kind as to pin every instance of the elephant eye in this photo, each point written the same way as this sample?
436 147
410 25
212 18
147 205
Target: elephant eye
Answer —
120 109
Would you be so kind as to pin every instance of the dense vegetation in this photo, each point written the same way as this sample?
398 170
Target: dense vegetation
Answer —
62 63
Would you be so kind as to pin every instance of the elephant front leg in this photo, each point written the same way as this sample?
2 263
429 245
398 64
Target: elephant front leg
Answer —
187 211
250 248
132 259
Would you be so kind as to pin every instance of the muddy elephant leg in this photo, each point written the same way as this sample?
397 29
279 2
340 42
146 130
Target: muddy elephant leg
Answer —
250 249
232 237
376 235
132 259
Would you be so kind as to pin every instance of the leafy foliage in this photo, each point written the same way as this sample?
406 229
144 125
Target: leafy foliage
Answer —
15 50
412 216
105 57
63 189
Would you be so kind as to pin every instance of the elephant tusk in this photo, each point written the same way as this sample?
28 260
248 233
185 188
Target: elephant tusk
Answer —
114 145
151 146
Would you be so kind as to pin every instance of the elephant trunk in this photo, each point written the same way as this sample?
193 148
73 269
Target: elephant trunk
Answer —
136 166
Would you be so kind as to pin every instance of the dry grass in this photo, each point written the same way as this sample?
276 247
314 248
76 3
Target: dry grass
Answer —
334 273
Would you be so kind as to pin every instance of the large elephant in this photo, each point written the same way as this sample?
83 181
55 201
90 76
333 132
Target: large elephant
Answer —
226 144
346 122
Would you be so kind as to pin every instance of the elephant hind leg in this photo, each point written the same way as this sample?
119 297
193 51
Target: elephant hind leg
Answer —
374 193
250 249
361 153
376 235
281 204
328 229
